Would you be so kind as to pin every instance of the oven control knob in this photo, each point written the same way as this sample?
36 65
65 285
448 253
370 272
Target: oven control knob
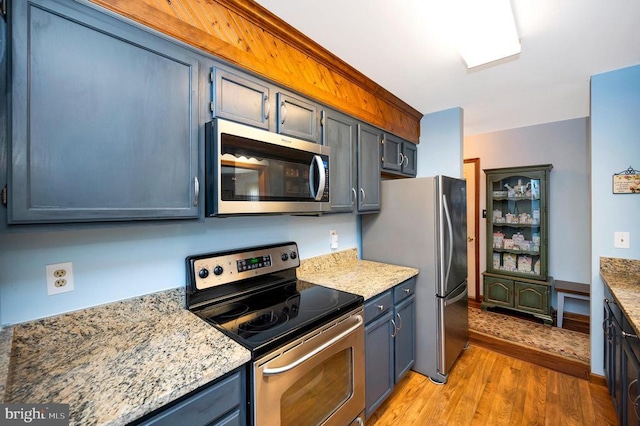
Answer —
217 270
203 273
293 255
284 257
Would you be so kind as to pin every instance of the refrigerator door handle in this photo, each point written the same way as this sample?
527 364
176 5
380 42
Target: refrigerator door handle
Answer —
449 302
450 228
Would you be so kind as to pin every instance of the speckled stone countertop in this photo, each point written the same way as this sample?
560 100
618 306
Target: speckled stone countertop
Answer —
115 363
622 276
344 271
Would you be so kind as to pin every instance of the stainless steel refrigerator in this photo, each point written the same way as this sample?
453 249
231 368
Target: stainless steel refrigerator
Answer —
423 224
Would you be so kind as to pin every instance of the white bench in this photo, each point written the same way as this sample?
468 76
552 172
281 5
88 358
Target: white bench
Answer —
568 289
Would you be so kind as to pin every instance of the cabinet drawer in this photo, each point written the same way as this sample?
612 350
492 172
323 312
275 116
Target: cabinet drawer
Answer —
404 290
498 291
378 306
204 407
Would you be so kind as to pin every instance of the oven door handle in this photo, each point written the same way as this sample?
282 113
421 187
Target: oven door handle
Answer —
297 362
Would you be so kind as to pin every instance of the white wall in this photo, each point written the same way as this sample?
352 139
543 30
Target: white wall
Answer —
615 145
440 148
120 262
565 145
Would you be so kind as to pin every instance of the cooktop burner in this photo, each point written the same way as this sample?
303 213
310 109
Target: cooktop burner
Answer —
266 307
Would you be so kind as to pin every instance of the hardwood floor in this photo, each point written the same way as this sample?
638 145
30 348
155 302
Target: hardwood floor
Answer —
488 388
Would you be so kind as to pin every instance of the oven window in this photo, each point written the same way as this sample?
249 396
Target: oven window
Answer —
318 394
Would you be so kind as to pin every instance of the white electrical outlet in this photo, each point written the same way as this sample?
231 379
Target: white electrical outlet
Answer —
59 278
334 238
621 240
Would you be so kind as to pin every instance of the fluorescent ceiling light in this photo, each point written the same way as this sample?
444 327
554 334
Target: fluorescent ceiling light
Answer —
486 31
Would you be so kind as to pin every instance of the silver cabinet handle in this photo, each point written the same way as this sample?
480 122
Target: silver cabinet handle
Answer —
380 307
629 335
395 328
634 401
283 112
294 364
407 290
363 195
406 160
399 322
401 159
267 107
196 191
355 196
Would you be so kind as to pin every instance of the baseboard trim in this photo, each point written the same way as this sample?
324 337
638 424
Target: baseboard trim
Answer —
597 379
558 363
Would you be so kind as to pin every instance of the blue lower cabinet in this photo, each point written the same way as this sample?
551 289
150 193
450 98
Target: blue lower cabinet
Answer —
389 342
220 403
378 361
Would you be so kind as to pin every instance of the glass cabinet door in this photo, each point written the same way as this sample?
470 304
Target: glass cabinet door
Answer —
516 218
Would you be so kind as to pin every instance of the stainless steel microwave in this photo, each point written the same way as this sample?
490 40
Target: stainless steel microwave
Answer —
253 171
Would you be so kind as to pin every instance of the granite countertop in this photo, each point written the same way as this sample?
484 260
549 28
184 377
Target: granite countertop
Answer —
115 363
622 276
344 271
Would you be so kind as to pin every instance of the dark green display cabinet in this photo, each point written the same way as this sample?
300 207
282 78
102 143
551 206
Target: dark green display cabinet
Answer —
517 276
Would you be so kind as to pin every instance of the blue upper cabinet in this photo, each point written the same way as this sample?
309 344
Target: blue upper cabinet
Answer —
297 117
399 156
105 119
242 98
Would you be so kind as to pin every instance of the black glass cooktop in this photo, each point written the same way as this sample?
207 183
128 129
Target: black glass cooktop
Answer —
269 318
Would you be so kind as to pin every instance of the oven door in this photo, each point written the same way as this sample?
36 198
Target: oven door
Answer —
255 171
316 380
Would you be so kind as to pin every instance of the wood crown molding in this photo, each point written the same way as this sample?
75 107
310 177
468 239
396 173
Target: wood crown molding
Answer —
266 20
245 34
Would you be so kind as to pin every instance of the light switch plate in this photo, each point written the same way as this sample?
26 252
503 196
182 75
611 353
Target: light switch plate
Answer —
334 238
621 240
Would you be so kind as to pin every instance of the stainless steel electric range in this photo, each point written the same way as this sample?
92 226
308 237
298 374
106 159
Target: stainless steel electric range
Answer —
306 340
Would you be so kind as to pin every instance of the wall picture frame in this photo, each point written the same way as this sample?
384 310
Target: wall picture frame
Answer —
627 181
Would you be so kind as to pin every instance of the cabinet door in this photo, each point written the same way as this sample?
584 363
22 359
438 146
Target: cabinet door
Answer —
532 297
368 168
410 160
609 345
392 158
220 403
297 118
405 342
339 134
498 291
617 393
242 98
378 362
104 119
631 397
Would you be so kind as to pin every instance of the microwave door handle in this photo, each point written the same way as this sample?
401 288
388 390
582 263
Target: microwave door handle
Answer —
317 192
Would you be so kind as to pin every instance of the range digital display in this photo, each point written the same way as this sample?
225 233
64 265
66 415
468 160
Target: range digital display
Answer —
254 263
